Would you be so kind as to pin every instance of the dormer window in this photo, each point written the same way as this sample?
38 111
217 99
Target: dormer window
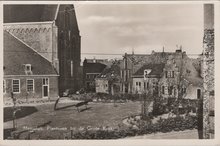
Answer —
28 67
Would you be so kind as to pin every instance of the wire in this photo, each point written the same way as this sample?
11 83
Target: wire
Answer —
87 53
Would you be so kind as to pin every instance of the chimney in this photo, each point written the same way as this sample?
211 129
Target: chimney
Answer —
94 60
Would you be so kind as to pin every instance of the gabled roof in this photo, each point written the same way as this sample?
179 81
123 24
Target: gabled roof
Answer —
29 13
94 67
17 54
156 70
102 61
139 58
41 13
114 69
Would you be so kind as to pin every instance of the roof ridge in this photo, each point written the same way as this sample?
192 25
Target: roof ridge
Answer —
56 14
27 45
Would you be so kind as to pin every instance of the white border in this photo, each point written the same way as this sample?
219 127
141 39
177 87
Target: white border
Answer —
139 142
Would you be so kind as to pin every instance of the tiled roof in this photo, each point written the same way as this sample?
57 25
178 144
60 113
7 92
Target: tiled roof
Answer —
102 61
182 61
94 67
113 69
17 54
29 13
156 69
40 13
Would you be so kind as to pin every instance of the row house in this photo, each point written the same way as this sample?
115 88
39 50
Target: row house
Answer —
169 74
27 73
52 31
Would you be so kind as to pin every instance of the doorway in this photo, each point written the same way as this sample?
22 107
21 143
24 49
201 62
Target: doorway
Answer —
45 88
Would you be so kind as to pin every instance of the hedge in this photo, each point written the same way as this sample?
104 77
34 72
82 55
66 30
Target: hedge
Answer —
163 125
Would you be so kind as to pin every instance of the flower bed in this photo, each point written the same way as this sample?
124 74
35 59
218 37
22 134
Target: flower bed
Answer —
107 98
139 127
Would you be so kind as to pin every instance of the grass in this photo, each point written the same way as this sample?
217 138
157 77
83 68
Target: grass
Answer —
97 114
22 111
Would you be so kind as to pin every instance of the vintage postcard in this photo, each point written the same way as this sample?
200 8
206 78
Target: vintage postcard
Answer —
129 71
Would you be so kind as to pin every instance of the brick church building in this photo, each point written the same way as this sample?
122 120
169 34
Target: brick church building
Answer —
52 32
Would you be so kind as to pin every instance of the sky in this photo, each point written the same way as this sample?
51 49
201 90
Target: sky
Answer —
121 28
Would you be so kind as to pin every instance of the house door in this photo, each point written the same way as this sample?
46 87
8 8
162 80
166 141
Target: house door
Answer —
45 91
45 87
198 93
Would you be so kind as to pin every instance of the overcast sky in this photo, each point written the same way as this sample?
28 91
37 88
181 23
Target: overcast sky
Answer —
119 28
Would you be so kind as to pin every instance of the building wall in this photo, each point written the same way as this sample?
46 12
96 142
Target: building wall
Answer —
141 86
166 82
102 86
192 92
69 48
90 71
39 36
38 82
126 71
208 72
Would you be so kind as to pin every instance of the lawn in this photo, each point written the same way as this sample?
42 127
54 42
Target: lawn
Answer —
97 114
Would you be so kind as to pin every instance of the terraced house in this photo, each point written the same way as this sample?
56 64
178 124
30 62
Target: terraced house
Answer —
46 50
168 74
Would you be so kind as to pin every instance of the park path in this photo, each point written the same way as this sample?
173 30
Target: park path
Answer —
186 134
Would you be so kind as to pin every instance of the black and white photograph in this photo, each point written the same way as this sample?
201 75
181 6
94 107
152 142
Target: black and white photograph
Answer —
109 71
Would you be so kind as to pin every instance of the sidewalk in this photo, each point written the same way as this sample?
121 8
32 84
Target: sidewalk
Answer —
35 102
187 134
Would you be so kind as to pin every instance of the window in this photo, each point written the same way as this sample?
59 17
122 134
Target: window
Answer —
4 86
27 67
69 35
45 81
169 74
144 85
163 90
172 74
71 68
170 90
121 73
136 83
184 90
30 85
87 76
139 83
16 86
125 75
128 73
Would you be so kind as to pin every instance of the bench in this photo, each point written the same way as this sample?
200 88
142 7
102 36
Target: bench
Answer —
81 104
